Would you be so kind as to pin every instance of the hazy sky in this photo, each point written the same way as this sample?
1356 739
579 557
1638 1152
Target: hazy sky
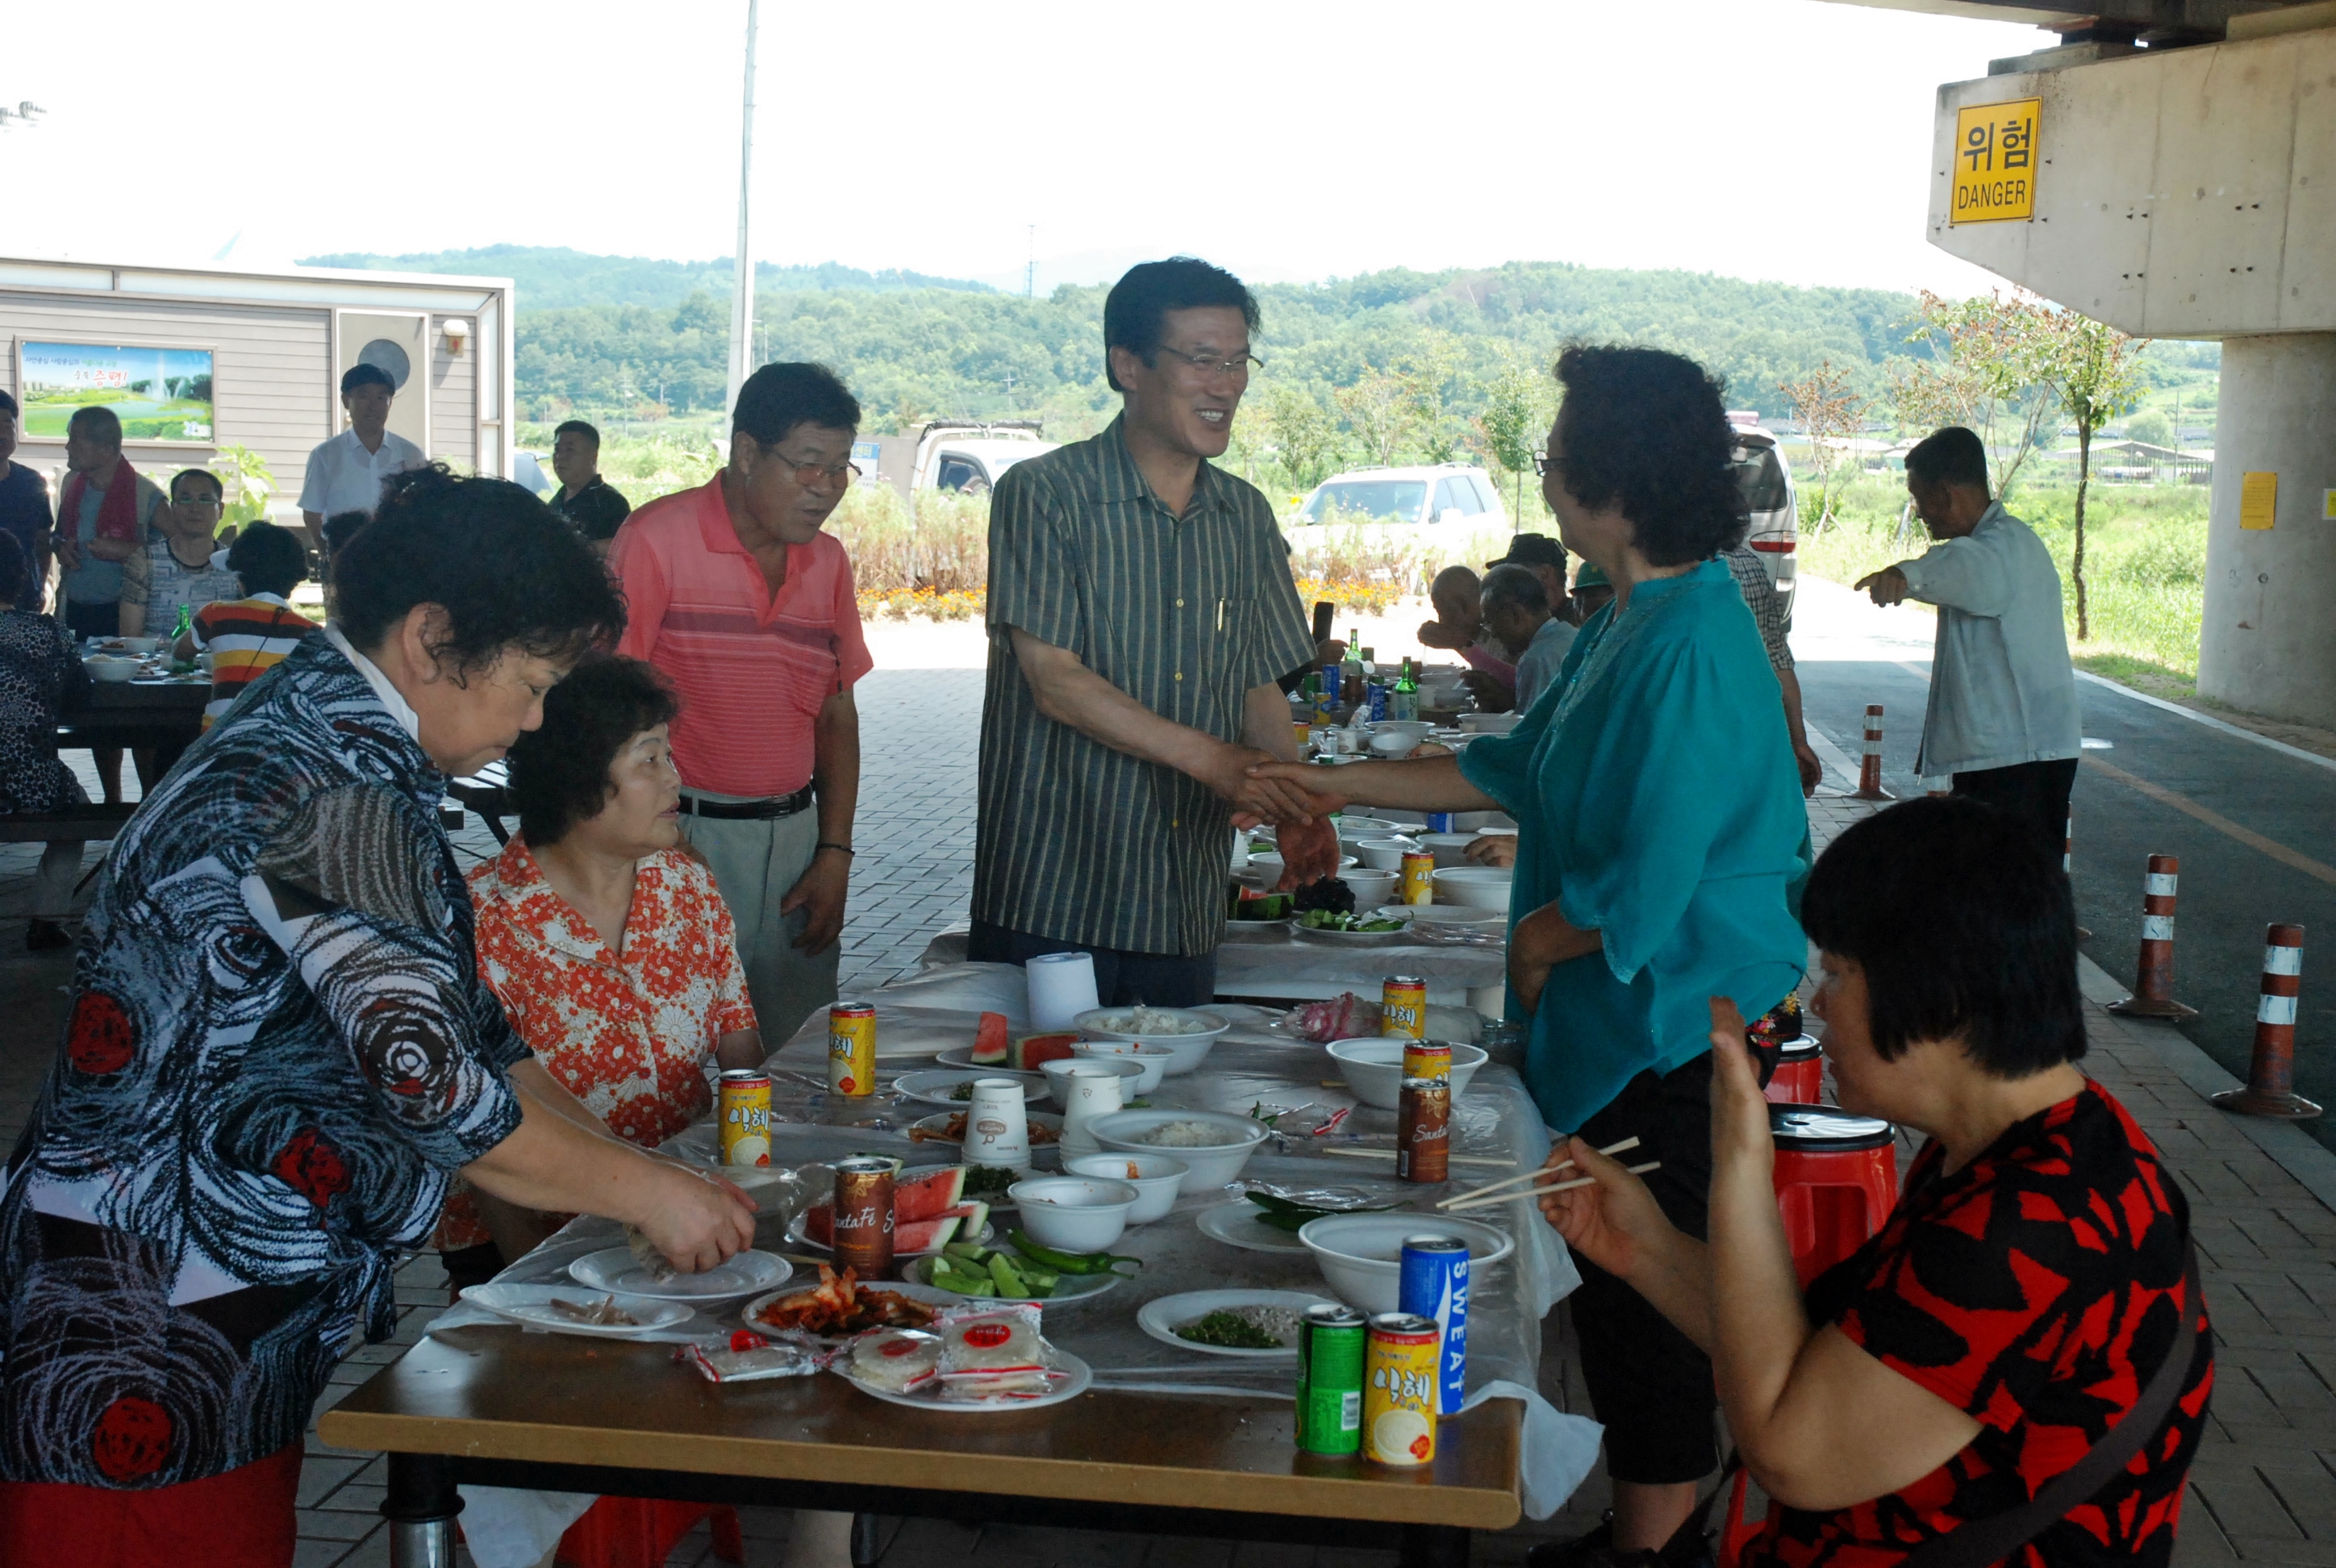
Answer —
1769 139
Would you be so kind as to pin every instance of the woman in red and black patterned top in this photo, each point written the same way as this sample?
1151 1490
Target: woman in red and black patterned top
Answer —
2031 1280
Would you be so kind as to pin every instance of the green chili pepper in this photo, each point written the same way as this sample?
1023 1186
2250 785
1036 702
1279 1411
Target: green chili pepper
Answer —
1067 1262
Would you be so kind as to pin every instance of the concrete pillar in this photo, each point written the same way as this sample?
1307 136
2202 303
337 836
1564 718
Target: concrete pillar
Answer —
2268 643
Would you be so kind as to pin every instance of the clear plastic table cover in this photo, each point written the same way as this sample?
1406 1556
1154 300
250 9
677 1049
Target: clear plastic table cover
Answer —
1252 1069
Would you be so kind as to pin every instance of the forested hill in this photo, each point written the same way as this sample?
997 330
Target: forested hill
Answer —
552 277
610 333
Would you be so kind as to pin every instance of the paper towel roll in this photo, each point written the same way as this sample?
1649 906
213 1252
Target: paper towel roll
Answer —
1061 987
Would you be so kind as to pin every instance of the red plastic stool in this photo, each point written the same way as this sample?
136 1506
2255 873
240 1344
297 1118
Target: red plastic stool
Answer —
1799 1078
642 1532
1836 1179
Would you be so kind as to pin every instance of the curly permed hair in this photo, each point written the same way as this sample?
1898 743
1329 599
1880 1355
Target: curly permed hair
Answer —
1647 431
510 574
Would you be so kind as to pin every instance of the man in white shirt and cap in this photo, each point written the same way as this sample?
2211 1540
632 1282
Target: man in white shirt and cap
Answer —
345 473
2002 717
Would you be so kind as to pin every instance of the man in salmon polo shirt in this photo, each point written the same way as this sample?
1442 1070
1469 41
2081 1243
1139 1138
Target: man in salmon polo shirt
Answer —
747 608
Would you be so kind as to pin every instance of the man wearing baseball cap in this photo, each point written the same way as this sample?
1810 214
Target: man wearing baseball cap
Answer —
1545 559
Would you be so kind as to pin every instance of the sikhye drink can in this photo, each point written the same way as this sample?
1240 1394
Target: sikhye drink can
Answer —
851 1049
1434 1283
1418 877
1423 1130
1399 1389
744 1104
1427 1058
863 1215
1403 1008
1330 1352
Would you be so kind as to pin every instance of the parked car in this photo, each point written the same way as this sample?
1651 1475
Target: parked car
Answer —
1765 478
1442 495
948 455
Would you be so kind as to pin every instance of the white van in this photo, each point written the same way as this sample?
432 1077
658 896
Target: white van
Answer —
1771 497
1446 495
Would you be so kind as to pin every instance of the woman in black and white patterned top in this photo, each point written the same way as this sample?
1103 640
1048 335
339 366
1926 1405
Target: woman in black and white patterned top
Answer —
39 676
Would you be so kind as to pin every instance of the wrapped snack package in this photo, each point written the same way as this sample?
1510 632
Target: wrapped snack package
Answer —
896 1360
750 1358
996 1356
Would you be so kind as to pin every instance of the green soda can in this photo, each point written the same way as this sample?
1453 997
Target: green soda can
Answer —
1330 1343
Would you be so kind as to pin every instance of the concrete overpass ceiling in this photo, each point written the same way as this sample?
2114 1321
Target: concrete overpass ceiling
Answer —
2148 21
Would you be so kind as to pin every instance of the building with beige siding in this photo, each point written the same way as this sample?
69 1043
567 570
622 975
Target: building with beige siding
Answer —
196 358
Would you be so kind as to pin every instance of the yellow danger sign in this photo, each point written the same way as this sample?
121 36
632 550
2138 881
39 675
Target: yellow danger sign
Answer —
1996 162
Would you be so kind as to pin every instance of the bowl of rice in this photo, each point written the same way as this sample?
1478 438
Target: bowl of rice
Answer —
1213 1145
1187 1031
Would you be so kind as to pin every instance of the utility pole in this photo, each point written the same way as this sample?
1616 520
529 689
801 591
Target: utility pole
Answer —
742 296
1030 267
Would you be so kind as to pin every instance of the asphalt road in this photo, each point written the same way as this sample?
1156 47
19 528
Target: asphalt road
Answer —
2128 805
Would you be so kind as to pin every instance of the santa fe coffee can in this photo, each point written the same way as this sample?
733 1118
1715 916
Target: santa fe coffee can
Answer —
1399 1390
745 1107
1403 1006
863 1215
1330 1343
1434 1283
1423 1130
1418 877
851 1049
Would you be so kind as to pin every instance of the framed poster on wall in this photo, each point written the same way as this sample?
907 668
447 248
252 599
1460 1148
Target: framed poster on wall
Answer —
160 394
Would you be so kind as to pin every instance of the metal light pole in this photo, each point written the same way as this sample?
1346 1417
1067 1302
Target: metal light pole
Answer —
742 297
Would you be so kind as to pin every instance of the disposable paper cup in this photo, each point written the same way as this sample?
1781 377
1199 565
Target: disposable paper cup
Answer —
998 1124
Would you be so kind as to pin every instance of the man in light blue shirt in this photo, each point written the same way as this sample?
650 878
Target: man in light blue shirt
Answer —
2002 717
1516 610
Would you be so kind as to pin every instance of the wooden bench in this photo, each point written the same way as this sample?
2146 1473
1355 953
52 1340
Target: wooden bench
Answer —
85 823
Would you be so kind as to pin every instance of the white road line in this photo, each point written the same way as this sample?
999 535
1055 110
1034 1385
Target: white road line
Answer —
1833 755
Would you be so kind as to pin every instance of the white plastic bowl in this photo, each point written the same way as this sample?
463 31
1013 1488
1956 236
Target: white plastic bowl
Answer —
1155 1184
1353 830
1474 887
112 671
1385 854
1449 848
1395 742
1420 727
1373 1069
1059 1073
1191 1050
143 644
1075 1214
1210 1166
1370 888
1153 1060
1490 723
1361 1255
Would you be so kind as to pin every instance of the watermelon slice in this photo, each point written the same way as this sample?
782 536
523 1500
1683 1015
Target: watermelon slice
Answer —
930 1233
989 1041
929 1195
1032 1049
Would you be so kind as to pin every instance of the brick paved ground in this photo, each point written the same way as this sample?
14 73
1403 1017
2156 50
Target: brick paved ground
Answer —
2264 1198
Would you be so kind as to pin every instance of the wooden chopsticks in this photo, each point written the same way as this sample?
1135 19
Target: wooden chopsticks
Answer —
1478 1197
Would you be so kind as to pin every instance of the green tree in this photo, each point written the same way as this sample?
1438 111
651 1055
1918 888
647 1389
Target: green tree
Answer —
244 474
1382 410
2090 367
1519 404
2152 425
1831 411
1987 373
1303 433
1434 371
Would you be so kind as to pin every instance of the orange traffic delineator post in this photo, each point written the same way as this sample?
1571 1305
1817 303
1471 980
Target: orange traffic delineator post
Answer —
1869 766
2270 1077
2153 979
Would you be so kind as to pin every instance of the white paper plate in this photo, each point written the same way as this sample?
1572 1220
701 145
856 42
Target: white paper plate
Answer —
962 1056
932 1088
531 1306
925 1293
1081 1375
1256 933
1351 938
1072 1288
616 1268
1237 1225
801 1237
1159 1319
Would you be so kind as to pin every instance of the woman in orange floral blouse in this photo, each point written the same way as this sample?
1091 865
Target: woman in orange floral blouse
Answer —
604 939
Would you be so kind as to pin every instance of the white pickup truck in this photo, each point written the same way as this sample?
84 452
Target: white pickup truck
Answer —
965 455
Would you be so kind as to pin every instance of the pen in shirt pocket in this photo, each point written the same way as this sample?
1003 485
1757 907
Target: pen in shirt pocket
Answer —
1220 617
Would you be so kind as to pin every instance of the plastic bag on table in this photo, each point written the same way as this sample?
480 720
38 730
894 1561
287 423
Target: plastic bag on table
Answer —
996 1356
751 1359
1285 1207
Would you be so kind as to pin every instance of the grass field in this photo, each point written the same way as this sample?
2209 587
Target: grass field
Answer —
2145 566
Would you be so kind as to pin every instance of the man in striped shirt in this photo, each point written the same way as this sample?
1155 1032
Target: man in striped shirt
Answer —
1141 610
251 635
747 608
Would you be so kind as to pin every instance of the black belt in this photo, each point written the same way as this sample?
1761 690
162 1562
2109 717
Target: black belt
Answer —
747 811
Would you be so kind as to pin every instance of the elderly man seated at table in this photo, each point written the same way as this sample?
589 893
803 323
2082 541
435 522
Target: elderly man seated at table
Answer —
39 675
607 942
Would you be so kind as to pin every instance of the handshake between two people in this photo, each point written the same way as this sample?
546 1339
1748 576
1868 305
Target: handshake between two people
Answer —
1286 795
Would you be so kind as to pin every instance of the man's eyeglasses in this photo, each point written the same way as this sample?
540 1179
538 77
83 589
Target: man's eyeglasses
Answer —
809 473
200 503
1208 364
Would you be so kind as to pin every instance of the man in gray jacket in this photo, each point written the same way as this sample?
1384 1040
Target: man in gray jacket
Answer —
2002 717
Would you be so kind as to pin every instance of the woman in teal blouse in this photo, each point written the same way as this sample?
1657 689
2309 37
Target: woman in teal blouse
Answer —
1659 822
